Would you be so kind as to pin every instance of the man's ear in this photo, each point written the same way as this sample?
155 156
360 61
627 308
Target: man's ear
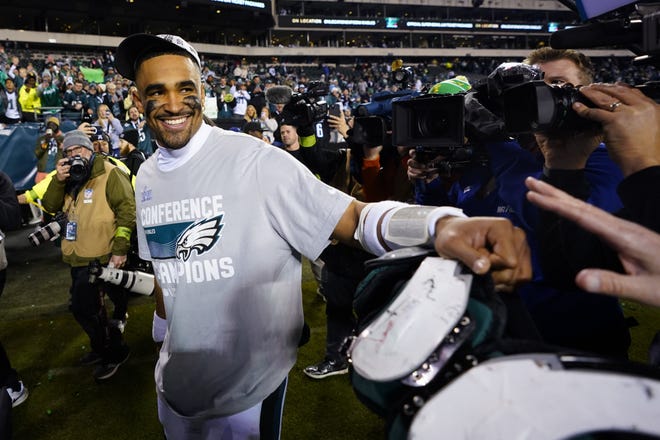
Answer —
137 101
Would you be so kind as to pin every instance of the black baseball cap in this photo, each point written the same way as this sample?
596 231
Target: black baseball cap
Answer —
252 126
137 46
131 136
99 135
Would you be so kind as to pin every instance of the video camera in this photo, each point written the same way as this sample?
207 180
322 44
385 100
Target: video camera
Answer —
135 281
433 125
306 108
373 120
512 100
626 23
50 231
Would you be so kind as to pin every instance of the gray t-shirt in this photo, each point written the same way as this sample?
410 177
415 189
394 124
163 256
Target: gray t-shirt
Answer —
225 232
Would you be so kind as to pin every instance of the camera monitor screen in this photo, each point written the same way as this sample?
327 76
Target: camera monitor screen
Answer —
589 9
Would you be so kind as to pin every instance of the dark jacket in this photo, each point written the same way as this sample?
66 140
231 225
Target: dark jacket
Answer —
10 211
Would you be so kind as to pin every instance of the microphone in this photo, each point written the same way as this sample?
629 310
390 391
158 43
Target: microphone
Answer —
606 33
279 94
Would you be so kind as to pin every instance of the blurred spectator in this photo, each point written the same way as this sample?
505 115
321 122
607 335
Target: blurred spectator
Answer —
114 100
10 106
268 124
241 96
250 115
254 129
74 101
258 97
49 94
111 126
137 122
128 152
29 99
49 148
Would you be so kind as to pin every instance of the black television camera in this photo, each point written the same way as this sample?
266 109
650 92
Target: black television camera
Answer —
537 106
373 120
512 100
50 231
304 109
434 125
623 23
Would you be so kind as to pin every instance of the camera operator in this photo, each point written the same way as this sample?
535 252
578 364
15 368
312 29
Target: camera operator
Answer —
100 206
630 122
563 315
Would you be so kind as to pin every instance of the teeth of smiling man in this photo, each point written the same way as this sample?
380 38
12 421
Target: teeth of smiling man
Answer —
174 121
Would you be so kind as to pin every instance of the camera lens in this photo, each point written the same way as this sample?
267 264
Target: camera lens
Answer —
432 125
78 168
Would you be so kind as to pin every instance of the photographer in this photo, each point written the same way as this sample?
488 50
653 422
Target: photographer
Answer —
48 149
562 314
380 175
99 202
10 218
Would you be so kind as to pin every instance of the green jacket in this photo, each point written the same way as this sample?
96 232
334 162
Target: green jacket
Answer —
121 199
48 152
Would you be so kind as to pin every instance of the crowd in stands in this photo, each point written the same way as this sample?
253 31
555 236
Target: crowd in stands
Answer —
76 86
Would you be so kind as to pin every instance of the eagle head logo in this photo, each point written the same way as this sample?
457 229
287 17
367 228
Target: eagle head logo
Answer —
200 237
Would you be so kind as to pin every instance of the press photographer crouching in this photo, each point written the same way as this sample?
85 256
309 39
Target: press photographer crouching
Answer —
98 201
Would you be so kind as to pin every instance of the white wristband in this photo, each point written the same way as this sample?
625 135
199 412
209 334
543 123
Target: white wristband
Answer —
413 225
388 225
158 328
442 212
367 230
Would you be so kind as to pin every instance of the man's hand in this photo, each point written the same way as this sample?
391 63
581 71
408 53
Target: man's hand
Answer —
636 246
426 171
630 121
87 128
117 261
62 168
338 123
486 243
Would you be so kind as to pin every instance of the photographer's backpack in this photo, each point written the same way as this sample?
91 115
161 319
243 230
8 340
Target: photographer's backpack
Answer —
434 355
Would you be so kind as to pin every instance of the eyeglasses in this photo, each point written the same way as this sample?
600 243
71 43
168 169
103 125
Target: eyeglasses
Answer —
73 151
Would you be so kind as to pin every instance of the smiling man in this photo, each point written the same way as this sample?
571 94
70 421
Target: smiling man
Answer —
226 218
